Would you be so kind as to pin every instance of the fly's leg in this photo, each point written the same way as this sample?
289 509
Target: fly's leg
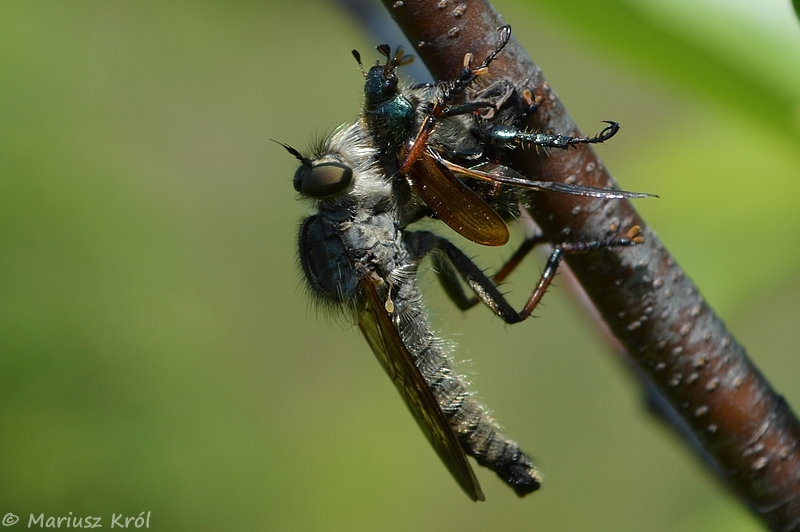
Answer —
515 260
453 265
455 268
450 271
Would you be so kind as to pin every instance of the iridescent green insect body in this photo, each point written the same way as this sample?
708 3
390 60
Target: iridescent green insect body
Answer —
429 136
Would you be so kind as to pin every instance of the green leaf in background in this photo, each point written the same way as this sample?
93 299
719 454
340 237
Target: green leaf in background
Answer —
735 54
723 158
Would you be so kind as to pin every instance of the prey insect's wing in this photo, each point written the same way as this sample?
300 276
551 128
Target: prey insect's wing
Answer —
384 339
506 176
455 203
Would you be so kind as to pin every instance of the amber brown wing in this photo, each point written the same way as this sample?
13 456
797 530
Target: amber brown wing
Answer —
455 203
384 339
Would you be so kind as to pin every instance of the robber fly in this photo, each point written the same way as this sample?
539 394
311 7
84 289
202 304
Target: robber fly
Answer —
360 259
357 257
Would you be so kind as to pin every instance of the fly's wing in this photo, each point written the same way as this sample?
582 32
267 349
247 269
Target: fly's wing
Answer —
455 203
506 176
384 339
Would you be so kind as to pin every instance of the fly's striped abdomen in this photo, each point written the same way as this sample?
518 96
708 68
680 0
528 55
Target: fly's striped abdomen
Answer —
477 432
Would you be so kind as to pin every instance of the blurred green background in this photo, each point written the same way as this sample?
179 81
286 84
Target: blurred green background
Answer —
158 352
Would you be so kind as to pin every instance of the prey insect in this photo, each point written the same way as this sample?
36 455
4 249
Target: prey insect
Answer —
430 135
368 182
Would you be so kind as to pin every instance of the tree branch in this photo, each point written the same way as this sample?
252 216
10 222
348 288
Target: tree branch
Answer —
650 305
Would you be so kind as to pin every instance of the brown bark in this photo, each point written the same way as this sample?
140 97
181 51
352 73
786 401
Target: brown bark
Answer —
650 305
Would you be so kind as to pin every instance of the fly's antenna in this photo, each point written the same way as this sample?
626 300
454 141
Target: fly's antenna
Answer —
303 160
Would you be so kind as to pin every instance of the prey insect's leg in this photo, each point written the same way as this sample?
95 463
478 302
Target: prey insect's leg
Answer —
506 136
452 263
440 108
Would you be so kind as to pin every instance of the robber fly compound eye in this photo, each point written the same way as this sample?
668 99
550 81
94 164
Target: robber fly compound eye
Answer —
323 180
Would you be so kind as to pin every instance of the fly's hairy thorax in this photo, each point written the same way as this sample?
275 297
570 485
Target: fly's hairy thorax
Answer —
340 250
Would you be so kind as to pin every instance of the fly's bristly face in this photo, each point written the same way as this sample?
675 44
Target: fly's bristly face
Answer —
342 172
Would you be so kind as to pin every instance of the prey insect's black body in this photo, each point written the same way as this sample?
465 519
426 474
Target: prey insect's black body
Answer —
429 136
403 160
